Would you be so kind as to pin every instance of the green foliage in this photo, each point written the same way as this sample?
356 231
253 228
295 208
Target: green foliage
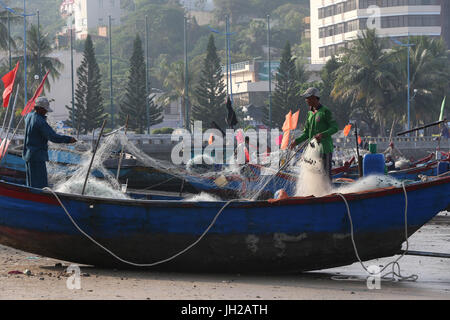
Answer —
134 104
89 112
372 82
211 92
164 130
286 94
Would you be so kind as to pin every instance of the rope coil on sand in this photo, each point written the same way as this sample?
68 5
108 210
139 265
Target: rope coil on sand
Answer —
394 263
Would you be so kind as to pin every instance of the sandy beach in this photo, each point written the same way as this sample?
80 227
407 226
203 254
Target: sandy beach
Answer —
27 276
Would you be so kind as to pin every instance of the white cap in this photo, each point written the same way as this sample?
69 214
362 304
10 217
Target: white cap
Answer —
311 92
43 102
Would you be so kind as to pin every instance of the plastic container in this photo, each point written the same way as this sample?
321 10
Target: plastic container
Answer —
372 147
373 164
443 167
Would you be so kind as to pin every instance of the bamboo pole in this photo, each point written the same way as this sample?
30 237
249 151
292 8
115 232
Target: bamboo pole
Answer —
121 151
92 159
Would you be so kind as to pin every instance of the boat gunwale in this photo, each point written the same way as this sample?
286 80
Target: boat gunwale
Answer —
46 196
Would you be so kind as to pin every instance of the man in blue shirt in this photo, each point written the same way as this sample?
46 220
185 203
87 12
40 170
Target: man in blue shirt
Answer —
35 146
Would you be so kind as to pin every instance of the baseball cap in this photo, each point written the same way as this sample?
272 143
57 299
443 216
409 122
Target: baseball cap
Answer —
311 92
43 103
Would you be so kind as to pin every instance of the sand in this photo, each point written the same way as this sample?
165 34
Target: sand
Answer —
48 279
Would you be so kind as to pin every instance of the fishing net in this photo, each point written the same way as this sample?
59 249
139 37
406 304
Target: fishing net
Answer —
302 175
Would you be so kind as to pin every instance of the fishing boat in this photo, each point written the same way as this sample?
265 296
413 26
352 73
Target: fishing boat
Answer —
274 236
66 161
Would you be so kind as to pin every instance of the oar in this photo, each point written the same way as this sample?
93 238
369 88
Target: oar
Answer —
281 168
93 156
121 151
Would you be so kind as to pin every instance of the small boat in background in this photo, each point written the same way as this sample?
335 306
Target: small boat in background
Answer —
66 161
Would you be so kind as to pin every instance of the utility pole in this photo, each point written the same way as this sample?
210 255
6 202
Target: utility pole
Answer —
186 71
270 71
226 54
110 73
9 42
229 57
39 46
25 49
71 71
147 81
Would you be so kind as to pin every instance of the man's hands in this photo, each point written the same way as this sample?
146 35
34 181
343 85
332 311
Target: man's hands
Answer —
73 140
293 145
318 137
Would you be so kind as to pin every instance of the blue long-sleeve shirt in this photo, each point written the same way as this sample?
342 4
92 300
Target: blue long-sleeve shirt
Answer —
37 135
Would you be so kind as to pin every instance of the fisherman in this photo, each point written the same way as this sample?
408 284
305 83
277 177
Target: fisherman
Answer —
35 146
390 164
320 125
393 152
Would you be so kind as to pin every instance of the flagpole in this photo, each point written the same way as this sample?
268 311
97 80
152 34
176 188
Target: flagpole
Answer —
6 114
9 128
25 49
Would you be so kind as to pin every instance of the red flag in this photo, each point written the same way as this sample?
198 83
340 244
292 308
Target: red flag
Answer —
4 147
287 122
347 129
8 80
285 142
359 140
294 120
30 105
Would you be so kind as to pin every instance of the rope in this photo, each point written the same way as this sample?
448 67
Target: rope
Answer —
139 264
394 263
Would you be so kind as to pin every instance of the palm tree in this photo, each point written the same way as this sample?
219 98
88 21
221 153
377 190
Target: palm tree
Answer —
172 76
365 77
4 43
40 61
429 75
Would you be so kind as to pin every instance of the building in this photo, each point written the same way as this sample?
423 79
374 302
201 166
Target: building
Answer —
334 23
173 116
250 84
445 20
91 14
250 81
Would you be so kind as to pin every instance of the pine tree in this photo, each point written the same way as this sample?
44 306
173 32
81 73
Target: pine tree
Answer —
89 111
210 93
286 94
134 103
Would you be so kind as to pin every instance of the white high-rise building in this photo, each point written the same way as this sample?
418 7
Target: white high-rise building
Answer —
334 23
91 14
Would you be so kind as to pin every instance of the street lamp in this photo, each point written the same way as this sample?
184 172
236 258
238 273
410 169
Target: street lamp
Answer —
228 56
408 46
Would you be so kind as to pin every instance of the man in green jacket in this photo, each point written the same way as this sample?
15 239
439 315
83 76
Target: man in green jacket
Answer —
319 125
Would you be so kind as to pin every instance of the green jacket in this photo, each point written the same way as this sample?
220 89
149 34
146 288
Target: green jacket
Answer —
320 122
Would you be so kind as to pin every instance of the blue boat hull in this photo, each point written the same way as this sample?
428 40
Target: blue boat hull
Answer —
297 234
